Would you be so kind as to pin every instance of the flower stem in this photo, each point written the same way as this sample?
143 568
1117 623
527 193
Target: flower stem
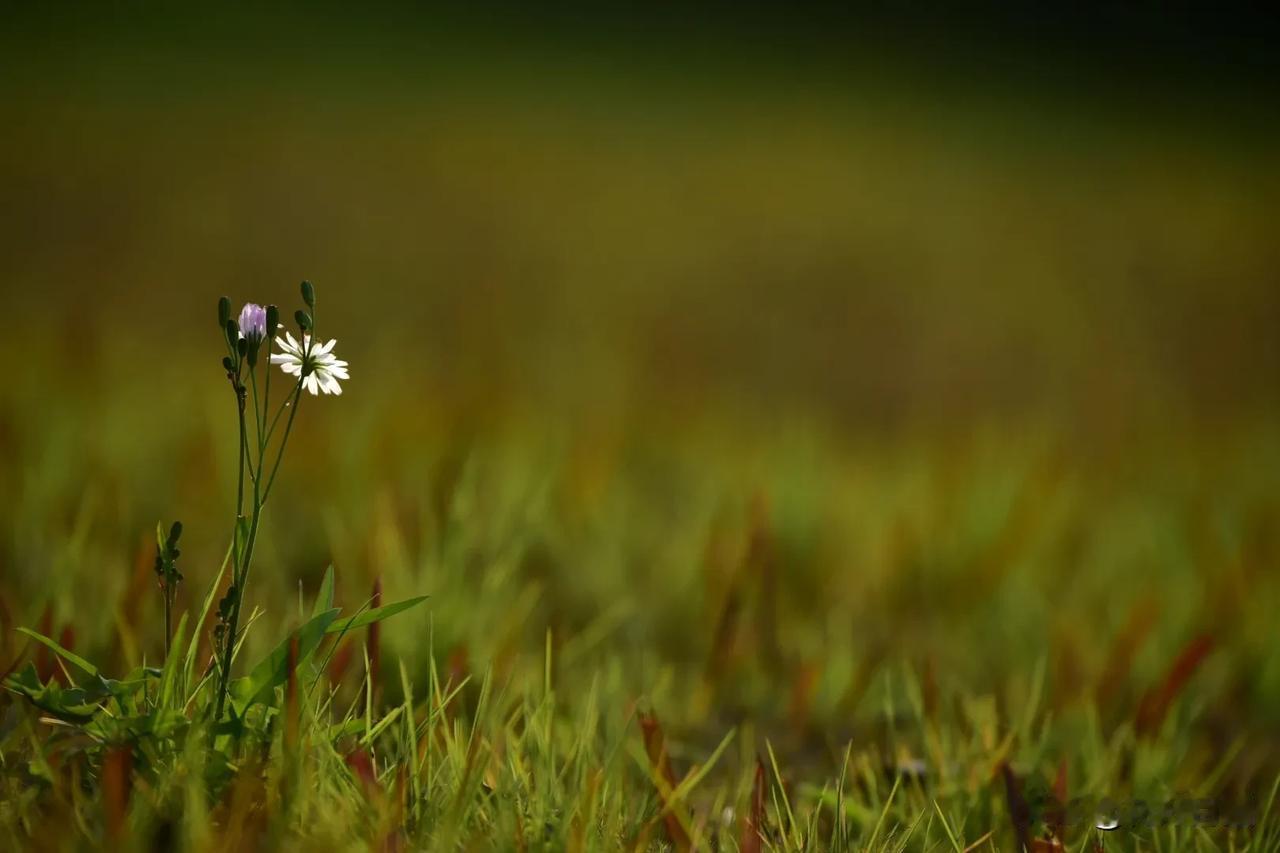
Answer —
240 574
168 616
288 427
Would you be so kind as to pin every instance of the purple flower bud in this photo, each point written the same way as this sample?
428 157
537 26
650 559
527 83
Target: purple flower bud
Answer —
253 322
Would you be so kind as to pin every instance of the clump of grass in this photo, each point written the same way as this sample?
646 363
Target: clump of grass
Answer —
940 652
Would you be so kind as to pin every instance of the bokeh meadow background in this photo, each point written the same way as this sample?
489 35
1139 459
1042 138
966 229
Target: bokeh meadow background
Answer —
778 372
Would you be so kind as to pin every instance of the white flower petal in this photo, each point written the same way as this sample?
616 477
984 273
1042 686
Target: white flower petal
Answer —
329 384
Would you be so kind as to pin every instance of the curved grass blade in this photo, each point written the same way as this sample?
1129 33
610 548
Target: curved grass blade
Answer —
188 667
273 670
70 657
324 598
377 614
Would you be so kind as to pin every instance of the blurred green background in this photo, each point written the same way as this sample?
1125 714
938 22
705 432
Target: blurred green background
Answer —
651 212
984 329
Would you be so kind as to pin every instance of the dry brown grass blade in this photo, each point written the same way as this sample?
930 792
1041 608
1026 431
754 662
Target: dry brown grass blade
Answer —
655 746
1156 702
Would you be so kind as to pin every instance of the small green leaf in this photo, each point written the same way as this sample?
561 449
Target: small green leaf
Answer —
72 704
377 614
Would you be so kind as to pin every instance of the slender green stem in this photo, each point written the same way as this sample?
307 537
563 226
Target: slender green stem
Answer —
288 427
244 560
266 397
229 639
240 473
257 409
168 613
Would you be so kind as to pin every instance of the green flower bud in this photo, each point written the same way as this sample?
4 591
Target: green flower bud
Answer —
273 320
308 294
242 347
174 532
226 364
224 311
304 320
233 332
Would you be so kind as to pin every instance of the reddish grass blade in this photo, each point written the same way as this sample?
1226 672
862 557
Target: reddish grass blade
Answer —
1019 812
1058 818
1156 702
1142 618
457 668
752 837
361 765
117 766
341 661
803 687
655 746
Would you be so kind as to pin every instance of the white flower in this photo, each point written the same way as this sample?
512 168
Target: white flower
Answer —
323 368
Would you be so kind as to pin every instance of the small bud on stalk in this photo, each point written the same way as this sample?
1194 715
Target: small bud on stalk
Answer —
254 326
308 294
224 312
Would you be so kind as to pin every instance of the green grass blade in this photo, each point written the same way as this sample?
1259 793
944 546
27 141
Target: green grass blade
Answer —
70 657
274 668
324 598
377 614
169 675
188 668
